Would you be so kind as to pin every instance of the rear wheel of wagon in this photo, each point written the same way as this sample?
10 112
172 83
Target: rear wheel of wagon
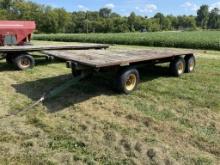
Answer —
190 63
177 66
127 80
23 62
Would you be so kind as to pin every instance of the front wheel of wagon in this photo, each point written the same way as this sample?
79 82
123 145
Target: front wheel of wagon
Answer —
190 63
127 80
177 66
23 62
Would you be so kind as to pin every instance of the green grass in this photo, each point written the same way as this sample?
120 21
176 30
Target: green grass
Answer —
195 40
174 120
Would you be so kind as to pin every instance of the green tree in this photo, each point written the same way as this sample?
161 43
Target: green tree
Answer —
113 15
166 24
187 22
174 22
131 21
63 19
214 19
3 14
203 16
120 25
50 22
153 25
161 18
58 20
78 18
6 4
105 12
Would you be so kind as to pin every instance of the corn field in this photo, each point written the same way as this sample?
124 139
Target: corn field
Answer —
194 40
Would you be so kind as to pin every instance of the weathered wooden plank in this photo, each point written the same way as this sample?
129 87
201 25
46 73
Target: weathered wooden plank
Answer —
6 49
104 58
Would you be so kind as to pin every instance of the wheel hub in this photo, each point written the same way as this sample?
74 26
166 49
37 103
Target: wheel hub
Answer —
191 65
131 82
25 62
180 68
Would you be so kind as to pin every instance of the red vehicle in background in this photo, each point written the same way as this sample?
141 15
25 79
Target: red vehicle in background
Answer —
16 32
14 47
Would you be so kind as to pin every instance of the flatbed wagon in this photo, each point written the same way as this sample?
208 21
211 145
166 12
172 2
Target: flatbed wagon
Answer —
125 63
15 46
20 55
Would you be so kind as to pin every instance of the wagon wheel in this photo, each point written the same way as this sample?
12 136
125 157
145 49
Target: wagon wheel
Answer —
23 62
177 66
190 63
127 80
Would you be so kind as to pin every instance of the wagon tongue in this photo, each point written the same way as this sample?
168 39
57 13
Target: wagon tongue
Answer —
52 93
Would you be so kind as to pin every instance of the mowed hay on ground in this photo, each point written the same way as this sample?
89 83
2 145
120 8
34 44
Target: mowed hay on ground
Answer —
166 121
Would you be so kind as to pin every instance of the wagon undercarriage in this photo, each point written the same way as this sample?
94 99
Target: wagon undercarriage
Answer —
124 63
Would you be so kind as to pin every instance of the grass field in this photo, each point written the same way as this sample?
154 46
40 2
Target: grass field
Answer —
166 121
195 40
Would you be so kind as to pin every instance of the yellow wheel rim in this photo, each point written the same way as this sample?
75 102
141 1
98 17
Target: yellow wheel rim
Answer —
180 68
25 62
131 82
191 65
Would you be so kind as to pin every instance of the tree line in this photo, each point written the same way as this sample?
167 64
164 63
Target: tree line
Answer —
58 20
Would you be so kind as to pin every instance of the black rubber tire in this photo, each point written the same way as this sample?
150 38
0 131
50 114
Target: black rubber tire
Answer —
9 59
29 60
188 61
122 78
174 66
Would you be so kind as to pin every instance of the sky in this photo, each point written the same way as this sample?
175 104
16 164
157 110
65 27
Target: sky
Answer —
140 7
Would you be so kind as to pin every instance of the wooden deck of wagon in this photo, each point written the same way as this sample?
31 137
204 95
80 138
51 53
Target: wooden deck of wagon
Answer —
107 58
31 48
